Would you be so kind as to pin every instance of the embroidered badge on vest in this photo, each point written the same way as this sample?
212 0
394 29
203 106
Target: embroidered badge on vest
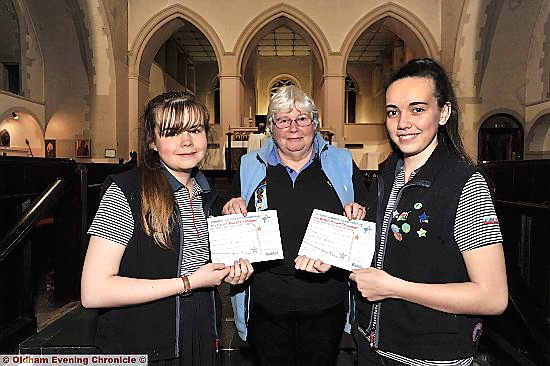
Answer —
260 196
400 227
490 220
476 333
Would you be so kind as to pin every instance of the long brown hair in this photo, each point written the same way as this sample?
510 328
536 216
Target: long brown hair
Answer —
167 114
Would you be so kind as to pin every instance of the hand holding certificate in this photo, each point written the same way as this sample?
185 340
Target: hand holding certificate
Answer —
255 237
338 241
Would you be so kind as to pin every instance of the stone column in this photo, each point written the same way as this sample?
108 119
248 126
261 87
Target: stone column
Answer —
138 90
334 113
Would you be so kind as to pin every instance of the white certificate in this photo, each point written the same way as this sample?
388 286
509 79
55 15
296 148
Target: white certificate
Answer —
255 237
338 241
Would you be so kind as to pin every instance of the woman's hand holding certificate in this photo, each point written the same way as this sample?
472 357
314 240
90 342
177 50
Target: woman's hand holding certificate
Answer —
338 241
255 237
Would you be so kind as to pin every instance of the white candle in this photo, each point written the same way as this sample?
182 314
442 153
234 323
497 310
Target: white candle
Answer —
249 112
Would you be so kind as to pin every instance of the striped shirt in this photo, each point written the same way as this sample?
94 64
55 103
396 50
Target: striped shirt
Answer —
113 221
475 208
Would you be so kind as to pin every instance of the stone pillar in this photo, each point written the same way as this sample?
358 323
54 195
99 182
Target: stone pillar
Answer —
230 101
138 90
334 104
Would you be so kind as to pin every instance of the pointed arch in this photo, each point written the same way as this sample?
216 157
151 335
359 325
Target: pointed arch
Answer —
537 140
281 14
402 22
157 29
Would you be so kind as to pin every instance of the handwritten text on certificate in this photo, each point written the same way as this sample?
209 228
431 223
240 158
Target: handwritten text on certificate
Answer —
255 237
337 241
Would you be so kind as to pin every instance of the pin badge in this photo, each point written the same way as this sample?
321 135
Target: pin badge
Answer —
423 217
403 216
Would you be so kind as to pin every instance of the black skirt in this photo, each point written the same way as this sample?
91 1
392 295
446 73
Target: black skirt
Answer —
198 338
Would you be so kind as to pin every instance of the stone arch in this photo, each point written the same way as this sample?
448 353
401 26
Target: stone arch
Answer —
498 111
502 138
24 112
156 31
538 138
473 43
146 44
26 128
96 45
402 22
281 14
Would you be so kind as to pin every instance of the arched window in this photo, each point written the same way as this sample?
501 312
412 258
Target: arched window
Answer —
351 100
279 83
500 137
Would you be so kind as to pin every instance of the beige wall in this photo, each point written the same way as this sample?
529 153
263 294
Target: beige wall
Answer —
66 84
80 61
268 69
229 19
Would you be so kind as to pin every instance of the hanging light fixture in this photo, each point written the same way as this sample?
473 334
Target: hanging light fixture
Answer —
14 115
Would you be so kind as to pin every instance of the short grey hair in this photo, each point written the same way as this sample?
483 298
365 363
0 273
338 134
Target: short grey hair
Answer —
288 97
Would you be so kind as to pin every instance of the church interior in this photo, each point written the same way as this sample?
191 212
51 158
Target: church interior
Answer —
76 74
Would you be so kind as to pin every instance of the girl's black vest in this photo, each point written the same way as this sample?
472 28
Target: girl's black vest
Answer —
151 328
420 247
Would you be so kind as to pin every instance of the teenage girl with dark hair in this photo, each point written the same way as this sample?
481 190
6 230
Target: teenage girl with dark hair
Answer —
147 266
439 262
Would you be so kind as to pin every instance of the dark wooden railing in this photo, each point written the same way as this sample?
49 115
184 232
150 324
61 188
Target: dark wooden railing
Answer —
521 333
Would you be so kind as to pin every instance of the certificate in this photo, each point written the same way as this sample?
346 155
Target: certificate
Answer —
338 241
255 237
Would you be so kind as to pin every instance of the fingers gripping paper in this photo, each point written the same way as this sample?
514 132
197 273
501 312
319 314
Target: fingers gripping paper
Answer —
255 237
338 241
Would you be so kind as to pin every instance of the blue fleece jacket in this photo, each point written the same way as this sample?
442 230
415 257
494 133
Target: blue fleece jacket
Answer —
337 164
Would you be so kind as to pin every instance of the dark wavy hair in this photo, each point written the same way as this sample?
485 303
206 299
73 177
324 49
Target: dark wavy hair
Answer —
167 114
444 92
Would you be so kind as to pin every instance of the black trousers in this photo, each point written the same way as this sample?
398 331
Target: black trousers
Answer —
287 338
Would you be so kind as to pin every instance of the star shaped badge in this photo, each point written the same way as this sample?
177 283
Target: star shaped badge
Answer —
423 217
421 233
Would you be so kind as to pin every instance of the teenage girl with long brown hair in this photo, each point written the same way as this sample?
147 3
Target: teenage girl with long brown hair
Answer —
148 267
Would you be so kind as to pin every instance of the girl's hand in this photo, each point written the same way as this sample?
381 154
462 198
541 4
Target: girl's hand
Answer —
374 284
211 274
354 211
311 265
235 206
239 272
